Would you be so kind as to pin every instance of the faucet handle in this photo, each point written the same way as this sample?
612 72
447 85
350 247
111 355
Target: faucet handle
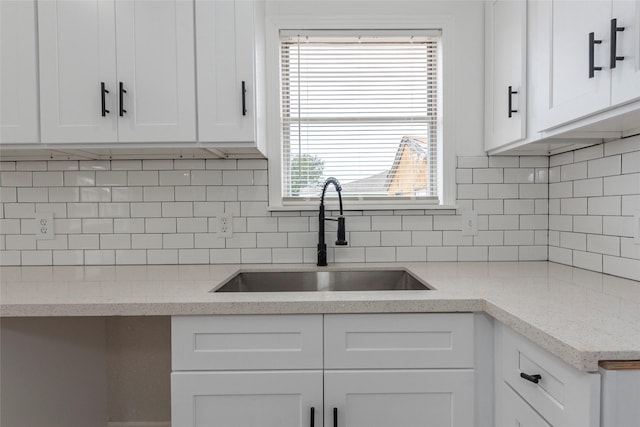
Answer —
342 241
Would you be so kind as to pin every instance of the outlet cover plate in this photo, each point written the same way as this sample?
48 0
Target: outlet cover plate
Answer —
43 226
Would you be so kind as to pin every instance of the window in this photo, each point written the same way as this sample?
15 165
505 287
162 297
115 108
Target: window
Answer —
363 107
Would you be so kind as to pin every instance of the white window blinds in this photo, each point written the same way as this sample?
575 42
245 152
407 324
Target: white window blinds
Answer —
363 108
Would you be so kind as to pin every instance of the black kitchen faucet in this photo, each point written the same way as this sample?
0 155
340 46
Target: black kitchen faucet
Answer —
322 247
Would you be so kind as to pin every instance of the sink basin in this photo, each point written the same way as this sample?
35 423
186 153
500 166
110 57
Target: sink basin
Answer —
297 281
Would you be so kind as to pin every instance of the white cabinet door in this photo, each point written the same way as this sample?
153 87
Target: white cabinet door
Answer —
506 72
225 34
18 72
564 27
77 54
156 67
513 411
246 399
399 398
625 77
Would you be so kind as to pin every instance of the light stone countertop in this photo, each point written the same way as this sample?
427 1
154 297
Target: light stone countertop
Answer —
580 316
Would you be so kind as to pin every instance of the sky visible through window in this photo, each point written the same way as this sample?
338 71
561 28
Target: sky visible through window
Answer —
348 102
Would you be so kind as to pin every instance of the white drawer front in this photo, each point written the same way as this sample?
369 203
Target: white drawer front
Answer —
246 342
404 341
563 395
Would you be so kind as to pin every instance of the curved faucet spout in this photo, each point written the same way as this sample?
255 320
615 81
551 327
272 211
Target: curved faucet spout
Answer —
341 241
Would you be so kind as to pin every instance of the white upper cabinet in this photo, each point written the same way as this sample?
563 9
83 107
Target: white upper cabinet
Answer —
18 73
506 80
228 41
116 71
156 69
579 76
625 77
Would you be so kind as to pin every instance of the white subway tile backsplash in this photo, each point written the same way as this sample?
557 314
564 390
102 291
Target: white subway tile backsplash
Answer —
573 171
131 257
504 162
20 242
156 165
113 210
39 257
224 256
7 166
158 194
252 164
519 238
609 245
417 222
611 205
455 238
560 255
84 241
82 210
347 254
446 222
48 179
255 256
253 193
573 240
191 225
294 224
208 240
146 241
464 176
193 256
163 256
128 225
95 194
97 225
533 191
237 177
142 178
589 153
532 253
473 191
126 165
146 210
605 166
561 159
114 241
620 184
79 178
411 254
631 162
534 161
189 164
491 175
503 253
16 179
100 257
619 266
577 206
503 191
519 176
206 177
365 238
519 207
111 178
473 162
587 224
388 223
37 165
176 177
630 204
177 209
473 253
629 249
395 238
622 146
260 178
37 195
443 253
160 225
126 194
504 222
271 240
380 254
221 164
284 255
489 238
177 241
617 226
587 260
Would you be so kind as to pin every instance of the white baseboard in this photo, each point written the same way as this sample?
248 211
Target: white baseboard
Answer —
139 424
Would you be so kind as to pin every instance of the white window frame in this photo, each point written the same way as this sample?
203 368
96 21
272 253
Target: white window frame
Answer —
446 129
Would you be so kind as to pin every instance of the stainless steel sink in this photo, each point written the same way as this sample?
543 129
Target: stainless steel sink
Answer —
297 281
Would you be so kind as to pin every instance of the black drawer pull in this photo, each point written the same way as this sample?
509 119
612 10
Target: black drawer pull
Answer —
533 378
103 93
335 417
511 93
122 92
244 98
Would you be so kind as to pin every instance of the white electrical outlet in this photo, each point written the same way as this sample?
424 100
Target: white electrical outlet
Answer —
225 226
44 226
469 223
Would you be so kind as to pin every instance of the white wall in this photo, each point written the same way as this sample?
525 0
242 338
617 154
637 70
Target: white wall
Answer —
467 21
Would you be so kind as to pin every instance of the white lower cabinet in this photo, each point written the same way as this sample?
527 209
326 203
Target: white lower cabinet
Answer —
559 394
269 370
246 399
516 412
398 398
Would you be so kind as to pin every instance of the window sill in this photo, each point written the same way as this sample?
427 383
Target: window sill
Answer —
348 207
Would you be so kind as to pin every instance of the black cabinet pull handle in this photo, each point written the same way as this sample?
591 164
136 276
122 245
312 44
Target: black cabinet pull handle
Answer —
533 378
313 414
614 43
103 93
592 43
244 99
511 93
335 417
122 92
